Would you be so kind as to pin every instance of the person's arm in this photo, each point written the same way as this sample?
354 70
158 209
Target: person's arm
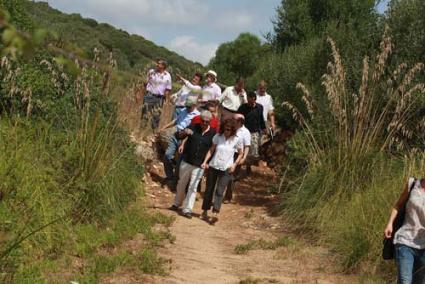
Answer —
170 124
167 95
245 155
271 115
187 121
238 159
400 203
176 96
168 88
244 97
208 156
223 95
272 120
183 144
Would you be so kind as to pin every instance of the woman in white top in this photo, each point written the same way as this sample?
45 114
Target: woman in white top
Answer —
409 240
221 166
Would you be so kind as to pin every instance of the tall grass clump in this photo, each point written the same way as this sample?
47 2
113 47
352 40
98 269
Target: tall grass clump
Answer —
354 151
64 161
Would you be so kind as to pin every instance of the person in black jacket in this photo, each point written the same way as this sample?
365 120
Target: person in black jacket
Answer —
198 139
254 121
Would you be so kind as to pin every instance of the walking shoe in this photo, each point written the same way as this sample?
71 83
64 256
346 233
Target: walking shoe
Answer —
188 215
214 219
174 208
204 215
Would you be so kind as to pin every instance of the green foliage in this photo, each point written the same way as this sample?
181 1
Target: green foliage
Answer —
298 21
132 53
238 58
345 156
406 21
18 14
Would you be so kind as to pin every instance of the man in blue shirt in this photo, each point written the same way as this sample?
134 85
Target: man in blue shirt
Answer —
182 121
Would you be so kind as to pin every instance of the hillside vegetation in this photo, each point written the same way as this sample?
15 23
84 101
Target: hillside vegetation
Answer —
81 35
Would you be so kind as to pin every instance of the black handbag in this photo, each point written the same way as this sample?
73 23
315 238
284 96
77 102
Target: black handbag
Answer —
389 248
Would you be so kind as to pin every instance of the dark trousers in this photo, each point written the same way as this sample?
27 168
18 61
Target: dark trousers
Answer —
151 109
232 184
217 182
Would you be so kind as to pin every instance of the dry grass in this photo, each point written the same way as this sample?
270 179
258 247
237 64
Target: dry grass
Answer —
376 116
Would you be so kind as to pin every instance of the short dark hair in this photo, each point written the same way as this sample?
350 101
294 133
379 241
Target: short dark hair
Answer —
161 61
199 75
229 123
240 80
252 95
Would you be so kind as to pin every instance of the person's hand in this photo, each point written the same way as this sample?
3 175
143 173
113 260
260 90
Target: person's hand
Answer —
388 231
273 127
188 131
232 168
180 150
204 166
179 77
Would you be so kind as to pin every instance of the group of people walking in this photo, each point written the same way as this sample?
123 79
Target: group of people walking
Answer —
215 133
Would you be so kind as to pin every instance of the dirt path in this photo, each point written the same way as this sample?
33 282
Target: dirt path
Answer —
204 253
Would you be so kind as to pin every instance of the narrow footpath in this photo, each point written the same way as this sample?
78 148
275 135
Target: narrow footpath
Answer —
205 253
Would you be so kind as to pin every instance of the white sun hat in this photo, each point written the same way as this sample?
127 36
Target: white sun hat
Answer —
212 73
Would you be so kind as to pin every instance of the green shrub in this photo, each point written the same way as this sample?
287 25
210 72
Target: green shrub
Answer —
346 173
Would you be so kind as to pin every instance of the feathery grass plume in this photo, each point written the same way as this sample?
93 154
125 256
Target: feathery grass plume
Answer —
346 153
308 99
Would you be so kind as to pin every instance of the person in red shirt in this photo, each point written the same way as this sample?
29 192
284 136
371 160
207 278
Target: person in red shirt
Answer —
214 122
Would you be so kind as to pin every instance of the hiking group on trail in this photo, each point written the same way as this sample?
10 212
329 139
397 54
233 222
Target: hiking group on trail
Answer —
212 133
216 133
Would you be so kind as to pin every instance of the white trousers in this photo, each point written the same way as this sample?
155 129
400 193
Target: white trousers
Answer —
192 175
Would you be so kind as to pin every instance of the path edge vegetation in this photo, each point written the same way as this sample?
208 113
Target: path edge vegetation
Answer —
70 183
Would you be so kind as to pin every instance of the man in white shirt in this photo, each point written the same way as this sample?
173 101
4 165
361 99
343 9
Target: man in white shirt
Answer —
232 98
266 101
158 88
211 92
192 89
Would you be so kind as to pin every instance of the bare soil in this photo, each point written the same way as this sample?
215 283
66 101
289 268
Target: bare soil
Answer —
205 253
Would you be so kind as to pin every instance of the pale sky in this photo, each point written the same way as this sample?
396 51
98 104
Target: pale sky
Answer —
192 28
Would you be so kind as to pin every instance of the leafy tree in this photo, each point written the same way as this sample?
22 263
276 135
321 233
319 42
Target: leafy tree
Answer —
407 22
299 20
237 58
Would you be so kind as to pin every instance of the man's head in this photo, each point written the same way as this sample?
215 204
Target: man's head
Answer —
197 78
239 84
262 86
240 119
211 77
252 98
161 64
206 117
191 102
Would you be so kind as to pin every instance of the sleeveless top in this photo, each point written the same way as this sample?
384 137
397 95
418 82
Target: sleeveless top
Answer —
412 232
